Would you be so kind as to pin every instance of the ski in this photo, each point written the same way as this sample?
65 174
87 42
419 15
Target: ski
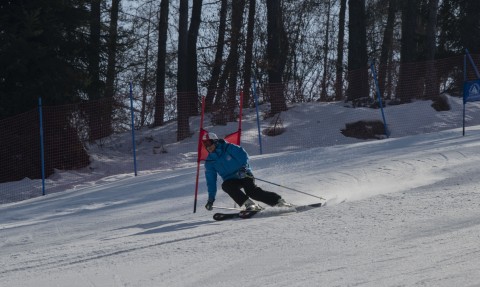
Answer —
245 214
225 216
302 208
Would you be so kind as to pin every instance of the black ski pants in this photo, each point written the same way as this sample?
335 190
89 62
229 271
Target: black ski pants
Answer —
233 188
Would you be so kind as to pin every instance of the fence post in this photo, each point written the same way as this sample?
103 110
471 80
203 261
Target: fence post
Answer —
42 156
133 131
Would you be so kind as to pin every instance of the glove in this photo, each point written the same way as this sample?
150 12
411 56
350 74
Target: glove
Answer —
209 205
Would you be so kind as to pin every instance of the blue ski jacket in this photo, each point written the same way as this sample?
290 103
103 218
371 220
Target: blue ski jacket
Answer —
226 160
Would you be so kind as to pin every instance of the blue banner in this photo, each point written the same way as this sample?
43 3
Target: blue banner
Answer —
471 91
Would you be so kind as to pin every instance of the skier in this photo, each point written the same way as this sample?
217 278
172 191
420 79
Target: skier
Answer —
230 161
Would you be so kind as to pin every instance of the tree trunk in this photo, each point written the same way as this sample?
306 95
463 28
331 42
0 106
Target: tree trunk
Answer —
408 50
238 6
386 45
112 50
161 59
94 89
432 89
145 73
470 26
111 62
357 51
217 64
277 49
183 126
247 81
341 42
323 93
192 66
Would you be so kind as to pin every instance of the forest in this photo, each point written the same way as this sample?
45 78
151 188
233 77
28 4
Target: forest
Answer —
175 52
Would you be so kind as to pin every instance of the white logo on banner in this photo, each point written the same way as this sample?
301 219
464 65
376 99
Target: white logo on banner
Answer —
474 90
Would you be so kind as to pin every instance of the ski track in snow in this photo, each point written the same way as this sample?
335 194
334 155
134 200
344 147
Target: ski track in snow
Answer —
400 212
366 214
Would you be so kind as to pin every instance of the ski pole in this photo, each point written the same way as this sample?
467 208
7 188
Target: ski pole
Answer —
286 187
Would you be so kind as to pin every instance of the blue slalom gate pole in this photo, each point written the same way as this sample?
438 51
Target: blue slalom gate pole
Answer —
42 149
473 64
379 95
133 131
258 118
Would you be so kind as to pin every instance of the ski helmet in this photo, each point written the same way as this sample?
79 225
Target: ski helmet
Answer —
209 139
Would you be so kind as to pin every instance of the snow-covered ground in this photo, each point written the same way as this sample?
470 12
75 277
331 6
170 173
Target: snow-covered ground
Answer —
403 211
